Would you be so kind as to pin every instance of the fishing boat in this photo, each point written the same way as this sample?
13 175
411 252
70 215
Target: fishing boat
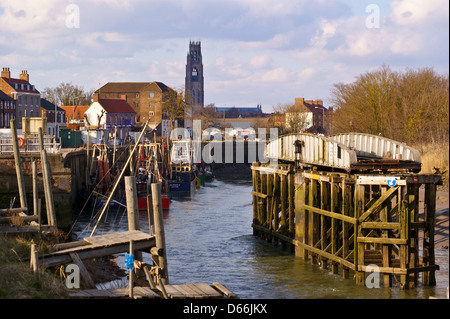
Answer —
182 178
150 169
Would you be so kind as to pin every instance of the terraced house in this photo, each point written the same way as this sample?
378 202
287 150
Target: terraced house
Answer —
25 95
7 110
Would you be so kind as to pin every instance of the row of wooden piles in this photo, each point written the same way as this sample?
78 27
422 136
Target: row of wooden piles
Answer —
350 222
23 220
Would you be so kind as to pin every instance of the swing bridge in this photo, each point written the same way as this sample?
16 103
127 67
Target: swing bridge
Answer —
349 202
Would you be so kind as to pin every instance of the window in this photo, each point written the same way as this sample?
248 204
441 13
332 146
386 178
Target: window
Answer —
152 94
137 95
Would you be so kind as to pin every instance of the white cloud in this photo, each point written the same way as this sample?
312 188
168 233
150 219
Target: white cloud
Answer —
260 61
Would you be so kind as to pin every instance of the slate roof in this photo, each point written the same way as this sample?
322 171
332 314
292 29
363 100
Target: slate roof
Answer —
130 87
116 106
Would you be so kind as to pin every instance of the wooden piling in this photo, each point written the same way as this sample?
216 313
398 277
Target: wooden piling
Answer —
46 174
159 230
18 164
132 207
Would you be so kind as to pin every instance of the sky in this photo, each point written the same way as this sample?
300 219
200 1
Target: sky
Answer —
254 52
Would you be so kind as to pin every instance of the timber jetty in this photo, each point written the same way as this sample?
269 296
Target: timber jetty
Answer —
146 280
349 202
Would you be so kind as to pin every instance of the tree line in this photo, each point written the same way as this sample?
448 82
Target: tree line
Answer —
410 106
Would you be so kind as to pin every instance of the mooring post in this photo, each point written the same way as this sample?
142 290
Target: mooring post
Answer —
50 205
132 207
35 188
159 230
17 160
131 274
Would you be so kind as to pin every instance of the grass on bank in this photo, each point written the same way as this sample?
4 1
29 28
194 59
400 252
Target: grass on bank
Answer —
435 155
16 278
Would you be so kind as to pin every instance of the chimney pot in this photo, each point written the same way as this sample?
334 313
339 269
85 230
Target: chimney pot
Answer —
6 73
25 76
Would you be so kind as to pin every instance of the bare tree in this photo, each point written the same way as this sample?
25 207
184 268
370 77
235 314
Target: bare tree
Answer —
68 94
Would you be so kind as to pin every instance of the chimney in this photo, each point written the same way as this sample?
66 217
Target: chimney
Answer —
300 100
25 76
6 73
318 102
95 97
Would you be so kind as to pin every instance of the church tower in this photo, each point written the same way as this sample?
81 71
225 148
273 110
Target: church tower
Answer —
194 85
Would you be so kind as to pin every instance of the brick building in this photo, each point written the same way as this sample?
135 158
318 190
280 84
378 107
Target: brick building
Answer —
306 116
27 98
7 110
115 115
144 97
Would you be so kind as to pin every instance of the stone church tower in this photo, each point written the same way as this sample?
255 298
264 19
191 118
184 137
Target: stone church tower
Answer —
194 85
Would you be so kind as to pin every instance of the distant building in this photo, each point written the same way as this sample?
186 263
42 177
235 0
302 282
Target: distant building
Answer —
74 115
27 98
111 114
56 118
144 97
239 112
7 110
306 116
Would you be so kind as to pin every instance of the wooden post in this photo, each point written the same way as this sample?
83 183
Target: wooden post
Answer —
283 198
324 193
358 249
131 274
132 207
35 188
34 260
255 198
51 215
334 222
346 202
403 250
291 196
428 277
159 230
413 199
19 173
386 248
307 217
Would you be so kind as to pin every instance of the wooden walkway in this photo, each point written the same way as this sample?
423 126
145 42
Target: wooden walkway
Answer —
98 246
189 291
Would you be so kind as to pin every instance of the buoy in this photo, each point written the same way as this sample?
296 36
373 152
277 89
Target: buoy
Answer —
20 141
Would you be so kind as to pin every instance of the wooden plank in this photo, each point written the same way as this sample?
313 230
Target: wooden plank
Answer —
344 218
173 292
209 291
223 290
377 240
380 225
260 195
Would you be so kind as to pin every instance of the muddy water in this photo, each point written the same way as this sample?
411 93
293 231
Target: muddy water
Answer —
209 239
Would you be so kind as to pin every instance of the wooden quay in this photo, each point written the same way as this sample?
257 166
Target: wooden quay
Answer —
349 203
135 242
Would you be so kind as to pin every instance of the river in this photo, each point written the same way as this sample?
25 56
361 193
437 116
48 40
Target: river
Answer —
209 239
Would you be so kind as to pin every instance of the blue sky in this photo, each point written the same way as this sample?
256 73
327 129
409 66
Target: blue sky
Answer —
254 51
